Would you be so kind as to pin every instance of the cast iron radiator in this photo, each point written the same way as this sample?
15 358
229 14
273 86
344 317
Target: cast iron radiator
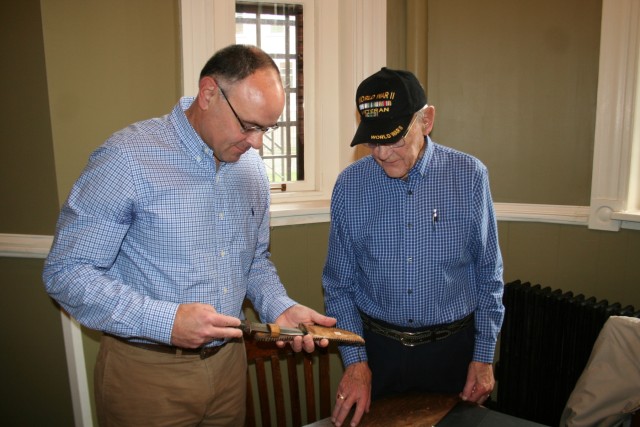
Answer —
545 343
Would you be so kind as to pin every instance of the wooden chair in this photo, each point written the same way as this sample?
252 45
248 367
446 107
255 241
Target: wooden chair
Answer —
263 356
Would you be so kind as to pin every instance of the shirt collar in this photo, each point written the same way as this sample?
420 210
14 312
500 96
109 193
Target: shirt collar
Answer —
420 168
189 137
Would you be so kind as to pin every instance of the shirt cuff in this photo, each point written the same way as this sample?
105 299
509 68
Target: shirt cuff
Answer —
276 307
484 351
158 321
352 354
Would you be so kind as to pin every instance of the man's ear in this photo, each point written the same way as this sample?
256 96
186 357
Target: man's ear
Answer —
428 118
207 89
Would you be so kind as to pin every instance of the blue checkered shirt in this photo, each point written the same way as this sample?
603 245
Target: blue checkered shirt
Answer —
151 224
415 253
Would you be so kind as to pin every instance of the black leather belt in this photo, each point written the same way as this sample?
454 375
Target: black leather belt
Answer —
203 352
419 336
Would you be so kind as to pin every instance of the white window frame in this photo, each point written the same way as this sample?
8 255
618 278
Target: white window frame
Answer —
345 41
615 187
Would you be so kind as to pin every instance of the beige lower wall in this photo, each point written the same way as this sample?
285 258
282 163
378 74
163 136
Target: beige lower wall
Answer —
572 258
35 384
602 264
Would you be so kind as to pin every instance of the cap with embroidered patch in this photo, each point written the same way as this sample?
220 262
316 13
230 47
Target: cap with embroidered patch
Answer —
387 101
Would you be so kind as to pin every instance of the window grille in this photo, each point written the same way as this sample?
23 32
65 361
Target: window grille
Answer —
277 29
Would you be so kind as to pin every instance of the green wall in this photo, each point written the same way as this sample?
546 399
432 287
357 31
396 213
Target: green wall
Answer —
517 89
109 64
75 70
35 386
25 126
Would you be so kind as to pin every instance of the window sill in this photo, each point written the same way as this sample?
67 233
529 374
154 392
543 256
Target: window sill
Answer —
630 219
291 213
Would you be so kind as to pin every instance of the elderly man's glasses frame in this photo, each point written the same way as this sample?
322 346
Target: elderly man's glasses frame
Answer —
399 143
243 127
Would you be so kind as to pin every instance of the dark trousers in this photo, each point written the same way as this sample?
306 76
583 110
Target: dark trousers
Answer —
435 367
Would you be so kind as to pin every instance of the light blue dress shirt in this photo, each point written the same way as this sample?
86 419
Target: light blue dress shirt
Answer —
151 224
415 253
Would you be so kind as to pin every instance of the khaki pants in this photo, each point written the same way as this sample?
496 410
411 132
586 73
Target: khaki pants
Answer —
138 387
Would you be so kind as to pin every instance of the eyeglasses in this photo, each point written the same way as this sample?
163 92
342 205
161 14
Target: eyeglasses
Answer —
399 143
244 128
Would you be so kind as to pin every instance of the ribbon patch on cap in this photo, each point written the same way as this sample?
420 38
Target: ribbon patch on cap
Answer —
373 105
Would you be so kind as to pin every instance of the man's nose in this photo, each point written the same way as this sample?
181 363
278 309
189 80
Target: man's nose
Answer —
383 152
255 139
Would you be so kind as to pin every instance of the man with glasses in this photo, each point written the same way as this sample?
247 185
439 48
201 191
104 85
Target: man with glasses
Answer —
161 239
413 262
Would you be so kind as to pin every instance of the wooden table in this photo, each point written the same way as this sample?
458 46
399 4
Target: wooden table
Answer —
429 410
407 410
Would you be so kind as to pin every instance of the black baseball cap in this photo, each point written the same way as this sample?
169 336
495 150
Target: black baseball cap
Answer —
387 101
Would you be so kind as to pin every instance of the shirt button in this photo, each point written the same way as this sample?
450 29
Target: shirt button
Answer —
409 225
199 159
221 215
410 291
410 193
222 253
410 259
410 320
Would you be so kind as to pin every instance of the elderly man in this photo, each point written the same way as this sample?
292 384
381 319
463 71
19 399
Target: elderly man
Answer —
413 261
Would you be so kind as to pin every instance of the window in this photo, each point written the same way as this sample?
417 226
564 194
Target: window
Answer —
615 192
344 42
278 30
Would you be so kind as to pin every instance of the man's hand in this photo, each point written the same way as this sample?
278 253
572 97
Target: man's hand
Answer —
354 388
297 314
480 383
196 324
